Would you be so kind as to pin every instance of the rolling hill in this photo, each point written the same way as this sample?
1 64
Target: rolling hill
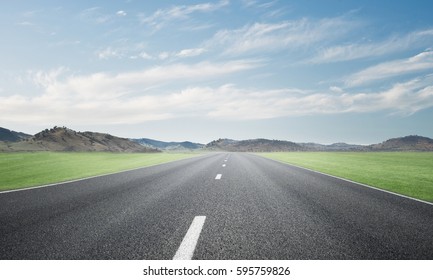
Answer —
65 139
169 146
12 136
253 145
332 147
407 143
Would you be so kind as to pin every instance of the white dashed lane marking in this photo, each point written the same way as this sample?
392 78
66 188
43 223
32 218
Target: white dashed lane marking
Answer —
218 176
189 242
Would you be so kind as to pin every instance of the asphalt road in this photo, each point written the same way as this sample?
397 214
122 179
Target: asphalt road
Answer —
256 209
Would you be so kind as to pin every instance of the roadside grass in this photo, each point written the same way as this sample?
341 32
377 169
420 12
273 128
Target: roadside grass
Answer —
26 169
407 173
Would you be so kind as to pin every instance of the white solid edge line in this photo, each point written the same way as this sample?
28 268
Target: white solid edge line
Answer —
357 183
189 242
218 176
91 177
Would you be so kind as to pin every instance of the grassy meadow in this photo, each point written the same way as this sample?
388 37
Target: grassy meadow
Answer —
19 170
408 173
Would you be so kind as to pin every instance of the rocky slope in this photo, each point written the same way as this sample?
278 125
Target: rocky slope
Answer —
253 145
407 143
64 139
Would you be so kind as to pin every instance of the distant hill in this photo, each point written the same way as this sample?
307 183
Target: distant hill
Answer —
332 147
407 143
65 139
151 143
253 145
12 136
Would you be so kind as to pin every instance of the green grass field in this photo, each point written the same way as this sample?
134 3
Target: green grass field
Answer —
408 173
20 170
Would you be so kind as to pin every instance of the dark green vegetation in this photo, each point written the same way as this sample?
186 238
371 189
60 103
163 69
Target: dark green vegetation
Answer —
19 170
408 173
169 146
12 136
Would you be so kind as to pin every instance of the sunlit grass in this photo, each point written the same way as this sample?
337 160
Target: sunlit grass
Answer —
408 173
18 170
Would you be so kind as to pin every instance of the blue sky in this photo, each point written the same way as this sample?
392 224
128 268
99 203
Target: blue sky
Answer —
319 71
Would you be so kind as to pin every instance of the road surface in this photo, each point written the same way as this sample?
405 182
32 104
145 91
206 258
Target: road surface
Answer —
216 206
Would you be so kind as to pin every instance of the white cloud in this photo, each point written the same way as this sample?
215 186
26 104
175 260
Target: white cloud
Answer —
354 51
163 55
163 16
420 62
121 13
109 52
195 26
145 55
235 104
401 98
267 5
190 52
136 51
45 79
259 37
124 49
106 99
336 89
157 74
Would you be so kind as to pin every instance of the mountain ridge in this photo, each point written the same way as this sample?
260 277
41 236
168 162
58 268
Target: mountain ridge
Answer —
406 143
12 136
253 145
65 139
169 146
68 140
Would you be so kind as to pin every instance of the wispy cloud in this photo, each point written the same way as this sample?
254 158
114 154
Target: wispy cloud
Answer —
163 55
32 13
136 52
420 62
109 52
163 16
45 79
267 5
124 48
106 98
229 102
265 37
391 45
190 52
102 98
402 98
249 3
158 74
121 13
95 15
26 23
145 55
